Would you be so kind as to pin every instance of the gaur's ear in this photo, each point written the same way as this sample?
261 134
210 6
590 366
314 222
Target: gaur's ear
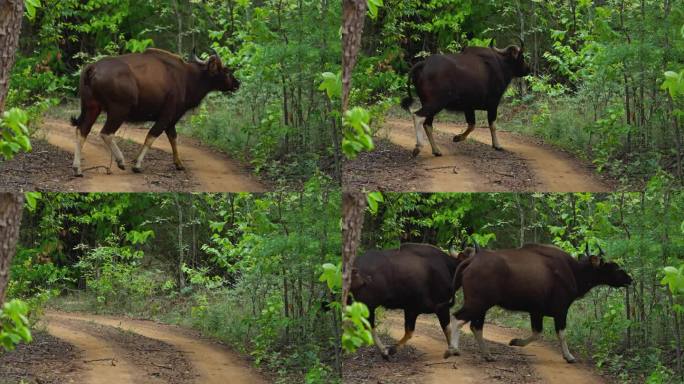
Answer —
513 52
467 252
214 65
595 261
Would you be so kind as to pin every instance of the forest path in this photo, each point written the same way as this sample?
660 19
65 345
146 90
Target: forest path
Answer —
211 362
551 170
209 170
546 363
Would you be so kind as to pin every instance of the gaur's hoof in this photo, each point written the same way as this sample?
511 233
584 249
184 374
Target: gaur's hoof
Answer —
437 154
515 343
498 148
489 358
121 165
415 152
385 356
137 170
180 167
571 360
392 350
78 172
458 138
451 352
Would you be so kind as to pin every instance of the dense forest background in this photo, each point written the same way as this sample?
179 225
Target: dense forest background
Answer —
635 334
279 120
607 75
242 268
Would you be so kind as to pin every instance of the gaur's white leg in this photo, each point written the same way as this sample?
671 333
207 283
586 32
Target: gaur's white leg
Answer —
111 144
453 340
465 134
564 347
79 141
523 342
480 341
407 336
420 133
176 158
495 141
435 149
379 344
143 151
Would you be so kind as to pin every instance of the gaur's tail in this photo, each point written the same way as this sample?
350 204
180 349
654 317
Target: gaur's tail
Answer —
412 76
85 92
457 282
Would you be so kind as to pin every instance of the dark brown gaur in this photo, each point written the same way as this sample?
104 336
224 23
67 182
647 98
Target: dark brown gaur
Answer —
474 79
155 85
542 280
417 278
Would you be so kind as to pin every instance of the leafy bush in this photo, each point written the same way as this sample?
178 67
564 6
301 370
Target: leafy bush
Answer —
14 324
114 276
14 133
33 272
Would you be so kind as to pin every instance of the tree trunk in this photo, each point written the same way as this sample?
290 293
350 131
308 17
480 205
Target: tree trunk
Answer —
181 276
354 13
11 12
10 220
353 205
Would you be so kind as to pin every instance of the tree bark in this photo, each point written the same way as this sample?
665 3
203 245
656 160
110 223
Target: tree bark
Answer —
353 205
10 220
11 12
354 13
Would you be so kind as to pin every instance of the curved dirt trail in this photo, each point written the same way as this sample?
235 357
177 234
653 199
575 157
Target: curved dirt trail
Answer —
451 172
553 171
212 171
113 368
546 362
214 363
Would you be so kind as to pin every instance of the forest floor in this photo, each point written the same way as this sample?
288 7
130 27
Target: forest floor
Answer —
87 348
48 166
422 361
525 164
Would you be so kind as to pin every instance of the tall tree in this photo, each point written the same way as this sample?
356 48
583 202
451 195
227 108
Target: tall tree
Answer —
352 30
10 220
11 12
353 205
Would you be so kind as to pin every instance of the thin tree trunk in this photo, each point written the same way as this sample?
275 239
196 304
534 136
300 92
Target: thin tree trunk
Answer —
10 220
353 205
181 277
11 12
354 13
179 25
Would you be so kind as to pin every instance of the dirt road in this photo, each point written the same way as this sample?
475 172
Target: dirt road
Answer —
536 363
207 169
473 166
146 351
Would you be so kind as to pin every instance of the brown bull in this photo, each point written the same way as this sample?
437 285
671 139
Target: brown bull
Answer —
416 278
155 85
474 79
542 280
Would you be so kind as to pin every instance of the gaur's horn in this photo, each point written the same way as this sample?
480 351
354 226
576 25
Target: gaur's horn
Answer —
600 250
196 59
522 43
452 251
464 243
476 246
500 51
